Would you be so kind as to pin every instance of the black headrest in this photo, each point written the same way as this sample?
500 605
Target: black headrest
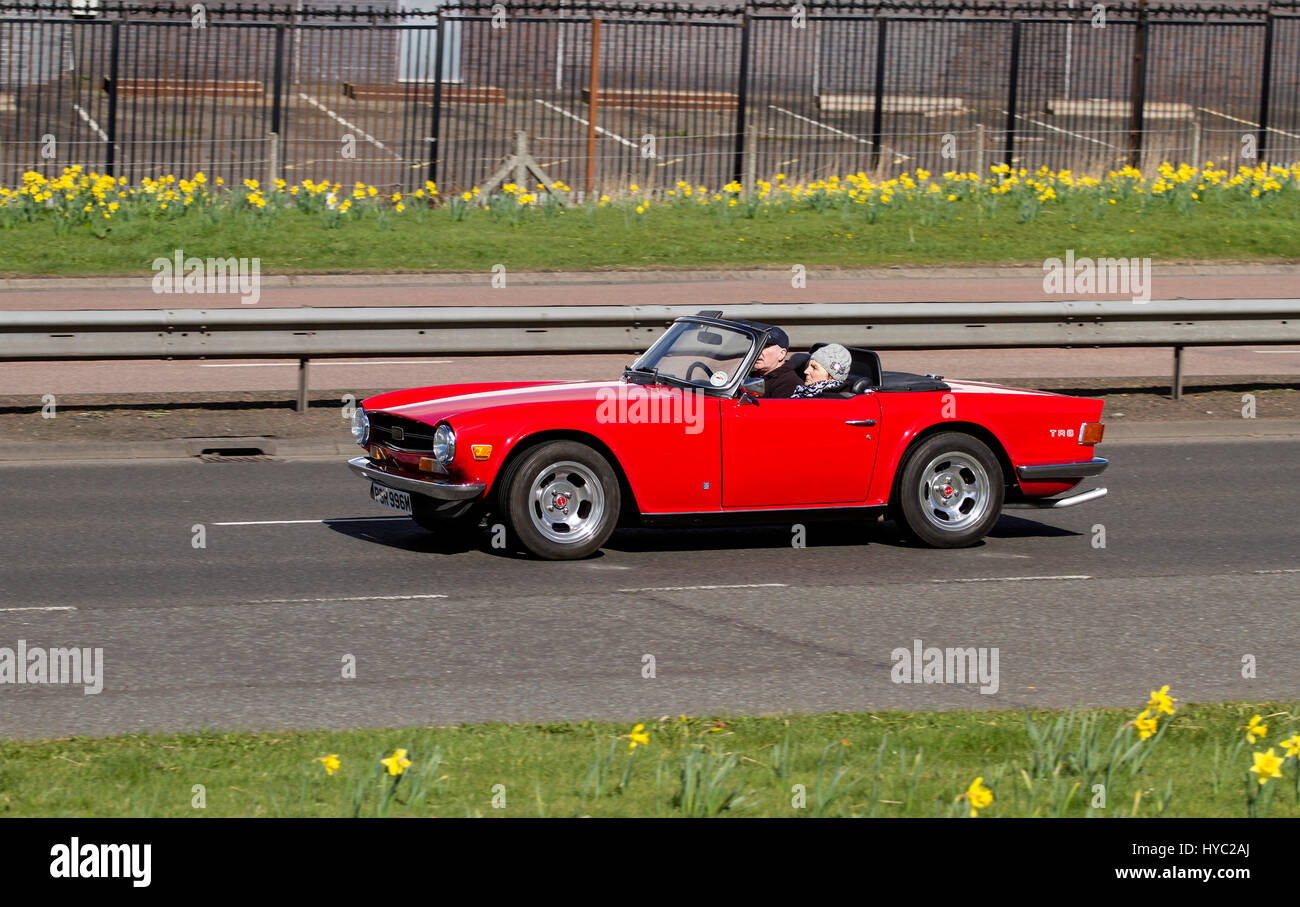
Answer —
866 363
798 362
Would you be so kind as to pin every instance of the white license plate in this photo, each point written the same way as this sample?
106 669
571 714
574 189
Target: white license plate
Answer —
390 498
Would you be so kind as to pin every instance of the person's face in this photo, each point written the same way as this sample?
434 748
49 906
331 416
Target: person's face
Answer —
815 373
770 358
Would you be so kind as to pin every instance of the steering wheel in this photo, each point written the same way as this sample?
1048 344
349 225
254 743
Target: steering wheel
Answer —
698 364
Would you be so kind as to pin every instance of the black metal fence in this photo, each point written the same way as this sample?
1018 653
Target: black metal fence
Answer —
611 95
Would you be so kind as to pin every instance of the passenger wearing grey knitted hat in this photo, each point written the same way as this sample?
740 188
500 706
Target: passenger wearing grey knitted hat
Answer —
828 371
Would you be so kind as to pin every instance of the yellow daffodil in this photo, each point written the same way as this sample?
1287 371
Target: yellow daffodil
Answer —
1292 745
979 796
396 763
1255 729
1145 724
331 762
638 737
1161 701
1267 765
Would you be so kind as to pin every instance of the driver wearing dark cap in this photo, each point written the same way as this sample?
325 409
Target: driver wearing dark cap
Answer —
779 380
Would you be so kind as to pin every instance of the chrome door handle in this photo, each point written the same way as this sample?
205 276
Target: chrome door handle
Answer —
863 423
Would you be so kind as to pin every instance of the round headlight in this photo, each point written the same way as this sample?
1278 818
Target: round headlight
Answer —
444 443
360 426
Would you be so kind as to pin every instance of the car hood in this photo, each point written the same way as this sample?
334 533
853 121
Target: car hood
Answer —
431 404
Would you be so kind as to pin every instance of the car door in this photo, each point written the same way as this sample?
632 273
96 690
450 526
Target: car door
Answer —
798 452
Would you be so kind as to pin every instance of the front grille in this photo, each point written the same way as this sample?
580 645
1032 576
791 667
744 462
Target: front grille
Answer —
416 437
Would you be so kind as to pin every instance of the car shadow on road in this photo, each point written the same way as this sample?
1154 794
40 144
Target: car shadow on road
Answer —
1015 527
408 536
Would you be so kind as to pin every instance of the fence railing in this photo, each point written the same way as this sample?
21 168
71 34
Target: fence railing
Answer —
651 94
306 334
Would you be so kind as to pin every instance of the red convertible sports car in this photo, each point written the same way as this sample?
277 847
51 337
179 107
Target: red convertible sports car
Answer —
685 436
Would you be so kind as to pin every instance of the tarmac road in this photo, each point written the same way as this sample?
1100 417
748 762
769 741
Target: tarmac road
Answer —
1200 568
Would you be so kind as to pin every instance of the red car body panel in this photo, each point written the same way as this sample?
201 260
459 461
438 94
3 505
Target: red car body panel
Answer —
683 452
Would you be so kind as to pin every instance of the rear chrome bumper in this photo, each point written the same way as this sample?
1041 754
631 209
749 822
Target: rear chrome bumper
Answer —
1082 497
429 488
1050 472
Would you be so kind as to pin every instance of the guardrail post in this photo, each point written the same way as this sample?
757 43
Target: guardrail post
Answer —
1178 373
302 385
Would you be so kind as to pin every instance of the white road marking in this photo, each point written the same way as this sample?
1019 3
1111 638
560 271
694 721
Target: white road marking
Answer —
828 128
50 608
103 136
1284 570
350 519
354 127
691 588
1010 579
357 598
573 116
316 362
1275 351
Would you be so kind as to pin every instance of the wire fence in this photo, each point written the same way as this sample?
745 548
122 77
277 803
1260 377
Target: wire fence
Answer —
608 95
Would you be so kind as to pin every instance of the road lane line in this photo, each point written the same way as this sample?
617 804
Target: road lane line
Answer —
691 588
349 519
1010 579
50 608
357 598
1284 570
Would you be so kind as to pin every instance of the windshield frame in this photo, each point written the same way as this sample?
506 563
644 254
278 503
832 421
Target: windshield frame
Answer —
734 384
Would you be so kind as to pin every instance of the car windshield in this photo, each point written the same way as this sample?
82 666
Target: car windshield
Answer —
701 355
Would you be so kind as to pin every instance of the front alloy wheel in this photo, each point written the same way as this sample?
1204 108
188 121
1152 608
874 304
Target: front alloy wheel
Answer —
562 500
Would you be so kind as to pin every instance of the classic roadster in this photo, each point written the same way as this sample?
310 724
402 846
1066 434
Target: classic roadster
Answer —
686 436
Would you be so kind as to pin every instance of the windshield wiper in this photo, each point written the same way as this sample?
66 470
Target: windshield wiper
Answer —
652 376
640 375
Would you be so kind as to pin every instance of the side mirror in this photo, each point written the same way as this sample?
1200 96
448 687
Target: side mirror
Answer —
751 390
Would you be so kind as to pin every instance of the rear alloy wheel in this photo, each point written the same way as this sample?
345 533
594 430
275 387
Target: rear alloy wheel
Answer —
950 491
562 500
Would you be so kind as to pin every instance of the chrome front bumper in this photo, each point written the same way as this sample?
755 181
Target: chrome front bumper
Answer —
429 488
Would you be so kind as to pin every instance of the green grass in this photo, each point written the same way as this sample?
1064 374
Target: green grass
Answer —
665 237
894 764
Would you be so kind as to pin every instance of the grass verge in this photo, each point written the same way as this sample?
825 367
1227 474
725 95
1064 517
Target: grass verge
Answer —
662 237
1039 763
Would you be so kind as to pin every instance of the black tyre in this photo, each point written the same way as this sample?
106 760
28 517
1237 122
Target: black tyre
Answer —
561 500
949 492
